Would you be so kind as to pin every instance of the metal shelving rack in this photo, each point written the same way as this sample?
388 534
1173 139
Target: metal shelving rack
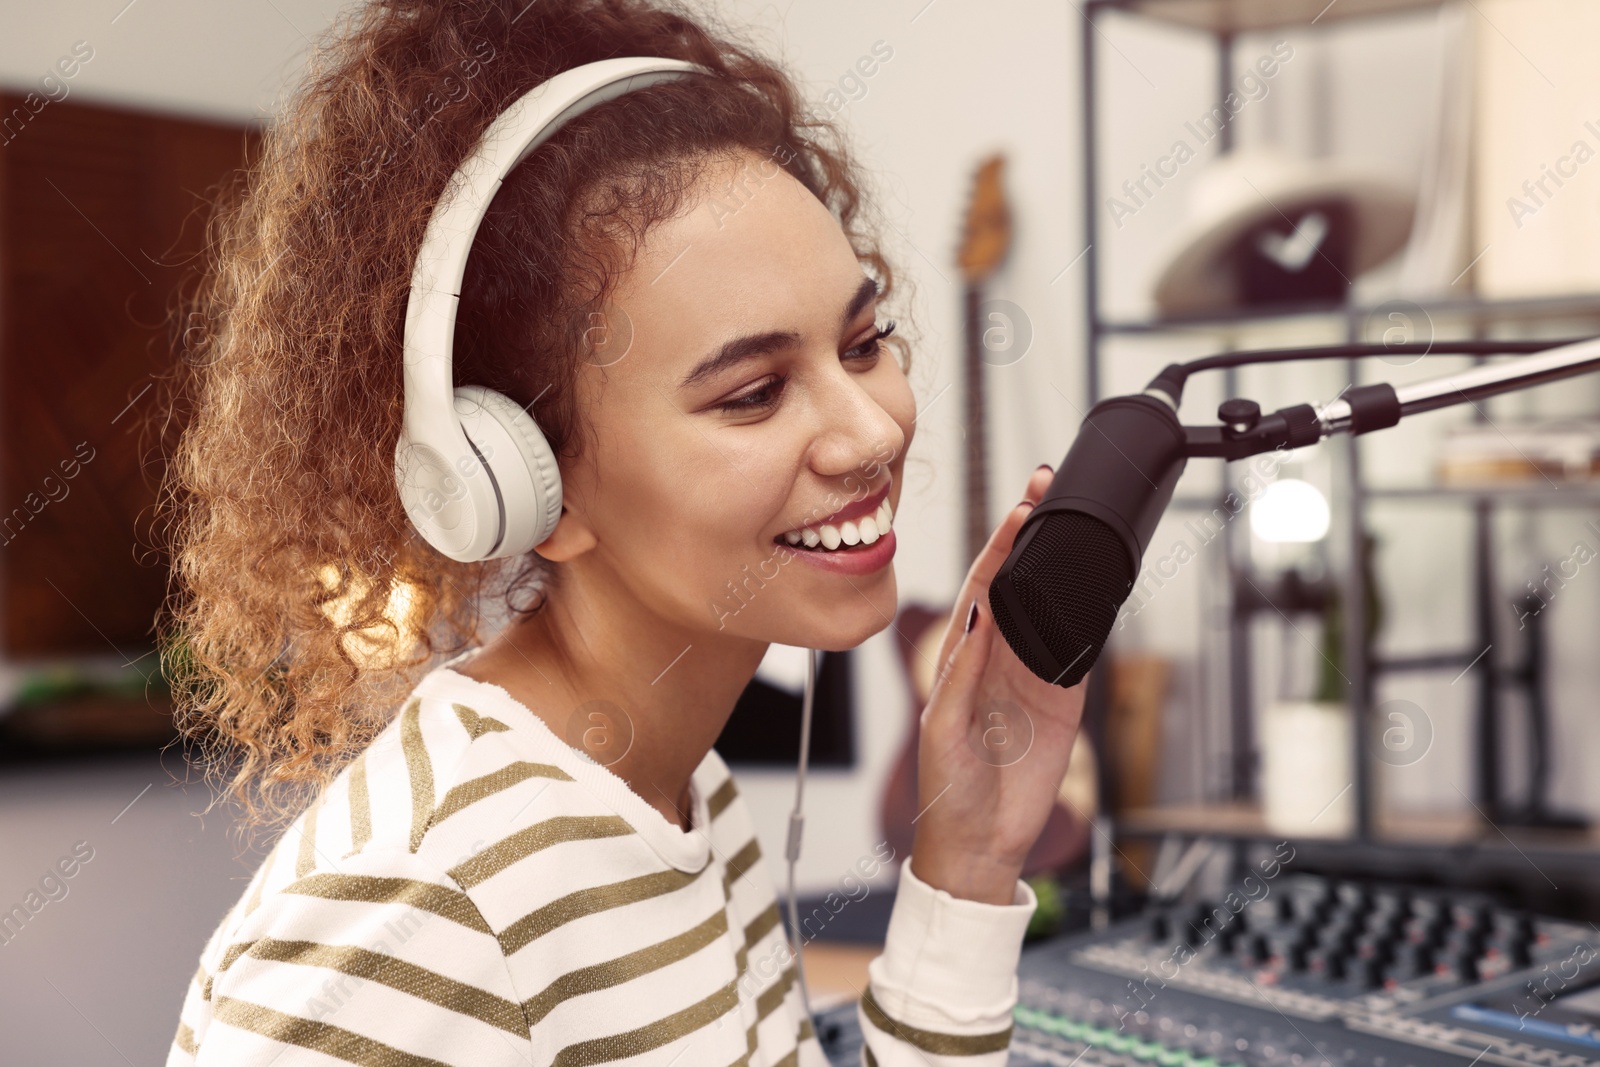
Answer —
1224 21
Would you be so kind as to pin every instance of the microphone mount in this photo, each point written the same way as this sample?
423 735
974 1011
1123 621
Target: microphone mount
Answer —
1245 431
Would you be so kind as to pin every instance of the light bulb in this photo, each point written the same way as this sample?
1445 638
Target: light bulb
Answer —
1289 511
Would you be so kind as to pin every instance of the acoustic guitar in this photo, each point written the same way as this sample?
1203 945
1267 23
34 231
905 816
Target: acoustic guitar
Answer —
920 629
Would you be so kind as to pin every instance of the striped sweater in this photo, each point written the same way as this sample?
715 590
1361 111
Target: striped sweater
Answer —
473 892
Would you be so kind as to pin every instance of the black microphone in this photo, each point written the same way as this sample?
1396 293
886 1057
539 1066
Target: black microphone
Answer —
1078 552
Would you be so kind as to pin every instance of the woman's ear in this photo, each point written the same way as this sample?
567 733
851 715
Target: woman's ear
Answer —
571 538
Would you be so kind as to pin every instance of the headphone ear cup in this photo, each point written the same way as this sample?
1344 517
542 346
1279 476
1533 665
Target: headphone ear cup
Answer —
520 462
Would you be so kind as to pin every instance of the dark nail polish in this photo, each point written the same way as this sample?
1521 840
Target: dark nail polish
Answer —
1044 467
1025 503
972 617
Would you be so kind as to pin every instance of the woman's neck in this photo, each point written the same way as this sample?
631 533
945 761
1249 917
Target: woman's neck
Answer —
639 694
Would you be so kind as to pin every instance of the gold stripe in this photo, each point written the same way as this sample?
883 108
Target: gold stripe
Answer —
477 725
306 861
576 905
754 931
184 1039
773 995
420 769
234 952
872 1061
652 1035
931 1041
360 806
525 842
762 924
625 968
481 788
790 1060
367 889
741 862
722 797
396 973
334 1041
806 1029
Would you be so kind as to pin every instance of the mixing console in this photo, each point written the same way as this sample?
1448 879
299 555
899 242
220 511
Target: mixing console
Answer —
1303 969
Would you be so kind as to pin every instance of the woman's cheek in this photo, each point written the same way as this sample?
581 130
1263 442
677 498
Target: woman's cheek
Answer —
902 407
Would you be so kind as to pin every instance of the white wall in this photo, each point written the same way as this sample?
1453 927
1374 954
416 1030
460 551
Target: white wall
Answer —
218 61
120 937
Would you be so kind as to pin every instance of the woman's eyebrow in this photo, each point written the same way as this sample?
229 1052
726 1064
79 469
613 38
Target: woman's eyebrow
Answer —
752 345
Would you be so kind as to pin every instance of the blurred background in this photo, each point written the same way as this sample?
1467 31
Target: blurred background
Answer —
1078 194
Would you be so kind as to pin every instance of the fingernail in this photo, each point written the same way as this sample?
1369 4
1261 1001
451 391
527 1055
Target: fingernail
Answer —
972 617
1044 467
1025 503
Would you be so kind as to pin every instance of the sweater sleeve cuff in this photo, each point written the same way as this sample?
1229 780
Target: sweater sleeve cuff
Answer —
951 953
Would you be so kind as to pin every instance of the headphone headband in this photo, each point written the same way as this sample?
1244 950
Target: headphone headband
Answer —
487 487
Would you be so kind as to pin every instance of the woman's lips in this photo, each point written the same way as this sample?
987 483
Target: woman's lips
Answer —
858 559
856 509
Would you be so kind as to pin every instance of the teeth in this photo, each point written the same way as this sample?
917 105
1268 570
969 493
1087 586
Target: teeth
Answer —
864 530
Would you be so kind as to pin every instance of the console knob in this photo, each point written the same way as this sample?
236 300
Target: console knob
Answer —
1461 963
1366 973
1413 960
1374 947
1512 948
1326 963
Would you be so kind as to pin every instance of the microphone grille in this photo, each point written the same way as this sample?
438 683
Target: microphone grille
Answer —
1070 579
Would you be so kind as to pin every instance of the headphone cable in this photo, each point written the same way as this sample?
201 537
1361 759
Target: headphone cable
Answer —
797 821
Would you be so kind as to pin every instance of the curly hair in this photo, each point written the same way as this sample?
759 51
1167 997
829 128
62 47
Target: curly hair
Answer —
302 605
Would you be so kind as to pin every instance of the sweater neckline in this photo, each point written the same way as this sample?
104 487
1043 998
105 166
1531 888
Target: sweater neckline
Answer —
687 850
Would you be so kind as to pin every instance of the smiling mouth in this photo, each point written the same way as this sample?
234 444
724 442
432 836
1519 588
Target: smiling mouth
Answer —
842 537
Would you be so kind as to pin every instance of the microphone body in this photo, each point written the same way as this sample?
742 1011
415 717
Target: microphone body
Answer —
1075 559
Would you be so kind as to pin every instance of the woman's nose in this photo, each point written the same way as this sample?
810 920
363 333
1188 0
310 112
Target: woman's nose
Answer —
856 431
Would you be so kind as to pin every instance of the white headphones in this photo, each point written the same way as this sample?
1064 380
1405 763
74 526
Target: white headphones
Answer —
475 473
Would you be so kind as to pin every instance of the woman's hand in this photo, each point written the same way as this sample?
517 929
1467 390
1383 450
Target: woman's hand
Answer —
995 741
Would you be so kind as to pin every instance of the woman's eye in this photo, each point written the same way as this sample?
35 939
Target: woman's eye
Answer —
871 346
768 394
760 399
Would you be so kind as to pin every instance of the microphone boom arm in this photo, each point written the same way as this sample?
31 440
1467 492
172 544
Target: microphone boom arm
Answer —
1363 408
1478 382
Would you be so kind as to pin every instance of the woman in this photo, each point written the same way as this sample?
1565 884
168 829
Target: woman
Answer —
533 855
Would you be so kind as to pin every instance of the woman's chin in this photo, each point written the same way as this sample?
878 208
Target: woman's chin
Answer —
876 614
837 629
